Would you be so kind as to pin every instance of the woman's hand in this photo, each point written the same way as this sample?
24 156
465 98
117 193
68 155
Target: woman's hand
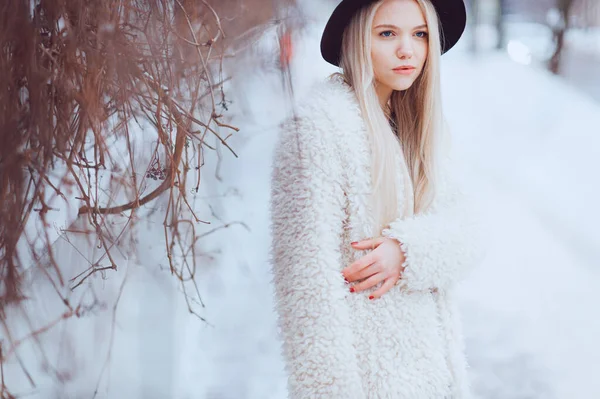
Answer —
384 263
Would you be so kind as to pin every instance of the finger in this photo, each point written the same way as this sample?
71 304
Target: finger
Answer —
385 287
368 283
371 243
368 271
358 265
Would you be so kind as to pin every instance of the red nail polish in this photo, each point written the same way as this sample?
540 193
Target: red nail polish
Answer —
371 297
351 289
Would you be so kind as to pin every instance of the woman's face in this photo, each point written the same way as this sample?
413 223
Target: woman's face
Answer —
399 45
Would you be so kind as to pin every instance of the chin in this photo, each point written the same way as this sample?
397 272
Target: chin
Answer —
402 83
400 86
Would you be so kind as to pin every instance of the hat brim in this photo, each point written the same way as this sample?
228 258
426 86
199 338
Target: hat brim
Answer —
451 13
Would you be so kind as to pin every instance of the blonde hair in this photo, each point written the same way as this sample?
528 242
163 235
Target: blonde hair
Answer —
418 116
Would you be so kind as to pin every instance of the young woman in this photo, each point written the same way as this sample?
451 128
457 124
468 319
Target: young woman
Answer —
369 231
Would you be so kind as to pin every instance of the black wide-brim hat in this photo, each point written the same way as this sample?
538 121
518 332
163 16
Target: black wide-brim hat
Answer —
451 13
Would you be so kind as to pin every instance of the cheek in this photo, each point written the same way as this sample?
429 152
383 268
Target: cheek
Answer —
382 57
379 59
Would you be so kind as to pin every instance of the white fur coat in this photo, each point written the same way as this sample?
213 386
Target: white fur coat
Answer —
337 344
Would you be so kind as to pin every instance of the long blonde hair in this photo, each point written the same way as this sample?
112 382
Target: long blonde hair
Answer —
418 116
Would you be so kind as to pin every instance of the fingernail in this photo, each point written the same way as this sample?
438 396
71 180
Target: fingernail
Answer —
351 289
371 297
346 280
354 243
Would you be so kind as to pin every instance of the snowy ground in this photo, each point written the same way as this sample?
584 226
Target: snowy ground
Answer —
530 145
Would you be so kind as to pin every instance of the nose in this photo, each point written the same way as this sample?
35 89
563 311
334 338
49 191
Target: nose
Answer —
405 48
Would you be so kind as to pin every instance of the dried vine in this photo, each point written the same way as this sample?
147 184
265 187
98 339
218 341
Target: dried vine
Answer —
82 84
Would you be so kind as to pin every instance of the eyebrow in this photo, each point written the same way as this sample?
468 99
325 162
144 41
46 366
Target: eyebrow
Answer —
395 27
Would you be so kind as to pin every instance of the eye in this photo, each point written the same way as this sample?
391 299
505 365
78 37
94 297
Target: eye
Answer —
422 34
384 33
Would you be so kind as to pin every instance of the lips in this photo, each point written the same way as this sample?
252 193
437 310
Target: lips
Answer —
404 68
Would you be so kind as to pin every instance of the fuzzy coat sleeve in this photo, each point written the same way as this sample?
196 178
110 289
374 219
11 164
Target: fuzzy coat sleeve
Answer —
443 244
307 214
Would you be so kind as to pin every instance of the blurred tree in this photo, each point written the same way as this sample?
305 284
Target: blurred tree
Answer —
500 28
474 16
560 28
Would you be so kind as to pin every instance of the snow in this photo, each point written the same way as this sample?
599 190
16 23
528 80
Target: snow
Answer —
530 148
585 39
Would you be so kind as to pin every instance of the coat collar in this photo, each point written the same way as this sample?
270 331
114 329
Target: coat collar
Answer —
334 100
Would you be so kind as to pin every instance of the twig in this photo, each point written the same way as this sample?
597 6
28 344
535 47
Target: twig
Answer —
112 335
69 313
